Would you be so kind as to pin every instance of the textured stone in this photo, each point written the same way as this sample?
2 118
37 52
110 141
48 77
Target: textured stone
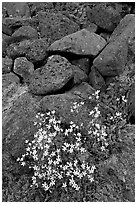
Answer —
83 42
96 80
82 63
112 60
126 31
23 67
125 28
131 104
26 31
37 50
105 16
63 105
18 121
16 8
33 50
14 23
79 75
55 25
8 79
4 44
52 77
6 65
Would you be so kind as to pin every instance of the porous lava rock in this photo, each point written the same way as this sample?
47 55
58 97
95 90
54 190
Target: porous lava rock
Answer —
112 60
82 63
33 50
79 75
23 67
83 42
18 120
126 31
52 77
125 28
4 44
37 50
16 8
6 65
131 104
73 105
54 25
105 16
26 32
8 79
11 24
118 171
96 80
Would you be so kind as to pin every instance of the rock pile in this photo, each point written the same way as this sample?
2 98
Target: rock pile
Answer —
54 59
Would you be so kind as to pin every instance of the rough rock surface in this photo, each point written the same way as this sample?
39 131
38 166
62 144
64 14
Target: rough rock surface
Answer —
11 24
8 79
118 171
65 80
105 16
126 31
55 25
16 8
33 50
131 103
37 50
125 28
23 67
112 60
4 44
82 63
96 80
18 119
83 42
65 104
6 65
79 75
26 32
56 73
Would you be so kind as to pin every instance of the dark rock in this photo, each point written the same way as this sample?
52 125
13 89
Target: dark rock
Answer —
18 121
34 50
79 75
16 8
90 27
27 32
55 25
6 65
106 36
35 7
17 49
122 166
6 30
53 76
83 42
131 103
125 29
112 60
82 63
23 67
96 80
4 44
37 50
8 79
105 16
72 106
14 23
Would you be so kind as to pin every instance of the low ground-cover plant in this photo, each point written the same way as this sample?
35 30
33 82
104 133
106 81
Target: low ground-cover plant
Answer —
60 154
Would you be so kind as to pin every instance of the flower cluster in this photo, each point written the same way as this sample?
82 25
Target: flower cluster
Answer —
58 155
